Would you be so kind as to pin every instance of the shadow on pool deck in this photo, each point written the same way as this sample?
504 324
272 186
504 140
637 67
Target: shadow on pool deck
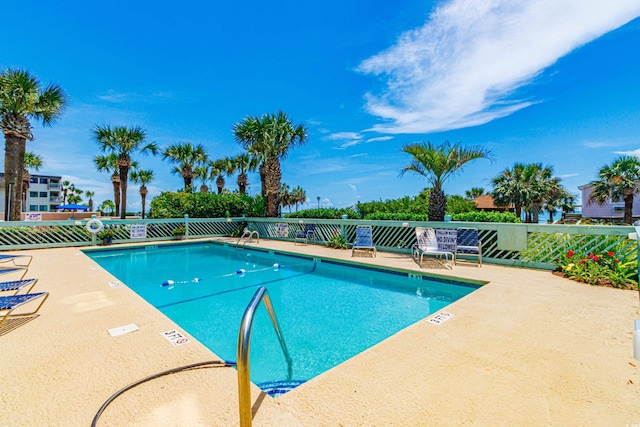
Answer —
528 348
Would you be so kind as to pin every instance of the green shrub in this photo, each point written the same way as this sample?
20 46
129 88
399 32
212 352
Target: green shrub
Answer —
205 205
337 241
325 213
483 216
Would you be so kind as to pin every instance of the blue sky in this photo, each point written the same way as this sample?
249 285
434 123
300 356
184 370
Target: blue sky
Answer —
532 80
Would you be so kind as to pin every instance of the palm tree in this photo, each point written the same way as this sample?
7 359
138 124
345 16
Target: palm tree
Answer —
219 168
123 142
109 163
270 136
510 187
76 194
142 177
32 161
244 163
90 195
541 183
22 99
619 180
286 198
474 193
65 190
203 174
559 198
298 196
107 206
437 164
188 157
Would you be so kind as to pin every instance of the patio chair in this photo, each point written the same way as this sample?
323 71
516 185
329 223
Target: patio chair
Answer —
428 245
468 243
306 234
16 286
9 303
12 258
364 241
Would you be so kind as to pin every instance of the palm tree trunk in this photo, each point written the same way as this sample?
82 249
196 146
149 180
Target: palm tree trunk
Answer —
13 169
263 180
437 205
143 196
115 180
220 184
242 183
273 177
628 209
124 178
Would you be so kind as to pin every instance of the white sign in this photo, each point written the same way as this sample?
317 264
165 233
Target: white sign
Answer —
32 216
282 230
175 337
440 318
121 330
138 231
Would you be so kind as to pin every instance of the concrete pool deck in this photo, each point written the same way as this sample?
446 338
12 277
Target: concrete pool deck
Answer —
528 348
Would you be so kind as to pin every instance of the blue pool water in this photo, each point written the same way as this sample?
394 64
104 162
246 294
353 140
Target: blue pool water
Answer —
328 312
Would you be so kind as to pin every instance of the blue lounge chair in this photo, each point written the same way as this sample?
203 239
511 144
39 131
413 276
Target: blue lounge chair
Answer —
364 240
7 270
10 303
427 244
12 258
306 234
16 286
468 243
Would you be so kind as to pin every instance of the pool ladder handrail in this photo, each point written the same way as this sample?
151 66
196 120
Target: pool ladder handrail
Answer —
243 352
248 236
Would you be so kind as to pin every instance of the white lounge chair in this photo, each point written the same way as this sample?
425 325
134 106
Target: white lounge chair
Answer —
427 244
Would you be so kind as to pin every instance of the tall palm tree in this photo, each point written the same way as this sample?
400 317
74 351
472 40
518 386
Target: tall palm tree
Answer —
187 157
270 136
22 99
76 194
109 163
619 180
123 142
559 198
437 163
244 163
142 177
90 195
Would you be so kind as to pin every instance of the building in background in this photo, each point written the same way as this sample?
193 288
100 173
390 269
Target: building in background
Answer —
612 209
43 195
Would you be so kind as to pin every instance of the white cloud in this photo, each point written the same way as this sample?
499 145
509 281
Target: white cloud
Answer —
341 136
379 138
635 152
463 66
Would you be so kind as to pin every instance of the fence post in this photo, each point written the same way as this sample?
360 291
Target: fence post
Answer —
186 226
94 239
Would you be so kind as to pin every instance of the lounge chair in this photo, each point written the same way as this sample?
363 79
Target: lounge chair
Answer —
7 270
10 303
12 258
364 240
468 243
306 234
428 245
16 286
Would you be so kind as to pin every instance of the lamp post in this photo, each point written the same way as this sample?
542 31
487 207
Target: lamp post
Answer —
318 201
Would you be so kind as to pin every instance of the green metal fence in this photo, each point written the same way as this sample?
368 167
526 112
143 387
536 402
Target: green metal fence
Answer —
527 245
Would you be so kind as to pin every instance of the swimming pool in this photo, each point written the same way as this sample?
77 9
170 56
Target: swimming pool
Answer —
328 312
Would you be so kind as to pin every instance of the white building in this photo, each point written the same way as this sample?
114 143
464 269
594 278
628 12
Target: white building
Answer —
43 195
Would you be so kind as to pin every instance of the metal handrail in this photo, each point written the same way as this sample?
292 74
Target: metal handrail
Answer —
243 352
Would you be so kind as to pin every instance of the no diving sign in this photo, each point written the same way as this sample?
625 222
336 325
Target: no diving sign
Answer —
440 318
175 337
